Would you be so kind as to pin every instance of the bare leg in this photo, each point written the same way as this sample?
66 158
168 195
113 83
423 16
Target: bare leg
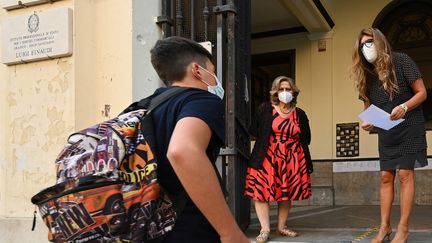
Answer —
406 178
386 201
262 210
283 210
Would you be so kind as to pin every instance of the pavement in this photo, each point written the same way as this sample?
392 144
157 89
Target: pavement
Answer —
343 224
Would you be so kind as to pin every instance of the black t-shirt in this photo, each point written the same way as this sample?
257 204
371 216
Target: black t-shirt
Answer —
191 225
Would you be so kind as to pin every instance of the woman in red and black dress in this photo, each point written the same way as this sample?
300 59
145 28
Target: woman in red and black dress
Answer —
281 163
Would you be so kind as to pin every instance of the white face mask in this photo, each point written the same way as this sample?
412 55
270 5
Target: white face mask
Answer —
217 89
370 52
285 97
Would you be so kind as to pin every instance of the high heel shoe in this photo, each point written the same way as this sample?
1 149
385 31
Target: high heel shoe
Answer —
385 238
395 240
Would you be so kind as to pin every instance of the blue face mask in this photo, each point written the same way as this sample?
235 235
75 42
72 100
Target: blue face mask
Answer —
217 89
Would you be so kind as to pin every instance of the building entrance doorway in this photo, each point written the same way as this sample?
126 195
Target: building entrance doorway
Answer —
265 68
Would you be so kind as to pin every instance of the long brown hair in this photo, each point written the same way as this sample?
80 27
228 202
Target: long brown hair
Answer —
362 70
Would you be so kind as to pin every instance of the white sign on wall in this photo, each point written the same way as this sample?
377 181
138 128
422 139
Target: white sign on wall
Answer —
12 4
37 36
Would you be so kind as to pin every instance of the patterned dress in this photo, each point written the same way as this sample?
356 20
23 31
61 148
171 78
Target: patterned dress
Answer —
283 175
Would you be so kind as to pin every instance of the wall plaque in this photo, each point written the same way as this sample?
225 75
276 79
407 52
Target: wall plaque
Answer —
347 139
13 4
37 36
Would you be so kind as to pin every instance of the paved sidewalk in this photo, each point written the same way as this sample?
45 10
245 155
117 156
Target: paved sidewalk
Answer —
344 224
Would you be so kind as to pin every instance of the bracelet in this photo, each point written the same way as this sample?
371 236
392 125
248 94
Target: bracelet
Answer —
404 107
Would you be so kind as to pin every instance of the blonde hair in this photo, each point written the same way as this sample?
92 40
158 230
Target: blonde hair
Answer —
362 70
275 88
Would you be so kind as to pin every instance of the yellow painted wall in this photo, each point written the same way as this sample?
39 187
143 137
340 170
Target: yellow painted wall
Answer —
321 112
43 102
103 57
37 113
4 86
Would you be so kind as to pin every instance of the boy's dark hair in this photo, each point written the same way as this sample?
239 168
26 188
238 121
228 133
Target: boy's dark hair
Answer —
171 56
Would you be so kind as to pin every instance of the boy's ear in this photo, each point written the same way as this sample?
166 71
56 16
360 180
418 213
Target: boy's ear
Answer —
195 68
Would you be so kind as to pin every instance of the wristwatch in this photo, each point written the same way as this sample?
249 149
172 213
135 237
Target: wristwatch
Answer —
404 107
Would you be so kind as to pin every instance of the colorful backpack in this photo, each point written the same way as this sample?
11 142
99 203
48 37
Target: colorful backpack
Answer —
107 188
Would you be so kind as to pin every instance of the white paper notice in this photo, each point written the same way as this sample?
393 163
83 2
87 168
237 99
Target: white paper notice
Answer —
378 118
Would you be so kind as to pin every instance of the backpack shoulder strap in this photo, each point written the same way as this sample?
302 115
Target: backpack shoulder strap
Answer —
153 100
159 99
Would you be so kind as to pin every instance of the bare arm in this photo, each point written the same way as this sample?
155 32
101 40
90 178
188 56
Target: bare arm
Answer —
418 98
187 155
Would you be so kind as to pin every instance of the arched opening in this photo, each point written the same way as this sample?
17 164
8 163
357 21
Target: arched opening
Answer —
408 27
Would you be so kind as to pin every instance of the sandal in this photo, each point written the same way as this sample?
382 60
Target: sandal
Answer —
263 236
287 232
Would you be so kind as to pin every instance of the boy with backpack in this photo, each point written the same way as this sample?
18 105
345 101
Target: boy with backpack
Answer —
121 180
189 130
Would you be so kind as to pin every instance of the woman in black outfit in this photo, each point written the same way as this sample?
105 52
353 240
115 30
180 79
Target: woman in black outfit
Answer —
392 82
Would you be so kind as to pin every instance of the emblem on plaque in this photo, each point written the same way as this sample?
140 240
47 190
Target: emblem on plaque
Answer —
33 23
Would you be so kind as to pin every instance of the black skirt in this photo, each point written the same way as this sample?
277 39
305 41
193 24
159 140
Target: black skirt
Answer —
403 147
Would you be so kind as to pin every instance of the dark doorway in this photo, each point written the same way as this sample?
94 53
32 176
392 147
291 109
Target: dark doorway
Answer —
265 68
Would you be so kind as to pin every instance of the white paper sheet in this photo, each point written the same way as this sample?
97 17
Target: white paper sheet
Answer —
378 118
